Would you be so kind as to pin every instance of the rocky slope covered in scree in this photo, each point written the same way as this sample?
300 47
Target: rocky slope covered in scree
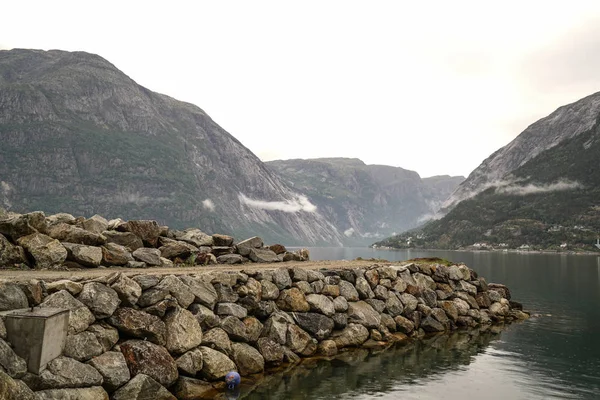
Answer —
141 336
77 135
366 202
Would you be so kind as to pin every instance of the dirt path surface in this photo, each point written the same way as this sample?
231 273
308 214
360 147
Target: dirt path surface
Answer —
49 275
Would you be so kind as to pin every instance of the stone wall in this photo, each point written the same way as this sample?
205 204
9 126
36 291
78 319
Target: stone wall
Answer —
62 241
137 336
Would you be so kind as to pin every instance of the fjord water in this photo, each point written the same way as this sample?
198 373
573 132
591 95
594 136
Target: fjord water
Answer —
554 355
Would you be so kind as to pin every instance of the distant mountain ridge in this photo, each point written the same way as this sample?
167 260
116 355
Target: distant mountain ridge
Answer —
77 135
541 191
366 202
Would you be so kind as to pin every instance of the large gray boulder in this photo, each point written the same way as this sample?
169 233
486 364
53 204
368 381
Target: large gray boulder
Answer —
348 291
11 254
190 363
217 339
14 389
316 324
216 364
88 256
45 251
80 317
177 289
143 387
195 237
91 393
230 259
299 341
183 331
281 278
106 335
147 230
101 300
128 290
176 248
73 234
72 287
245 246
321 303
204 292
235 328
276 327
247 358
139 324
352 336
113 368
14 365
115 254
269 290
82 346
191 389
148 255
64 372
125 239
362 313
224 309
271 351
147 358
12 297
16 226
263 256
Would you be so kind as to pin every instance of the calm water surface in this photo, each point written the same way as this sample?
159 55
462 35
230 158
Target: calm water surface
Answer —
553 356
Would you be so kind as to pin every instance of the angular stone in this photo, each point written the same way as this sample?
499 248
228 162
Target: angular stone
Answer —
80 317
245 246
314 275
340 304
217 339
235 328
483 300
410 302
82 346
143 387
319 286
378 305
64 372
88 256
222 240
139 324
14 365
183 331
177 289
441 316
292 300
231 309
125 239
148 231
106 335
113 368
372 277
318 325
467 287
46 252
192 389
14 388
150 359
176 248
128 290
321 304
404 325
430 297
11 254
430 324
115 254
381 292
399 285
269 290
299 341
73 234
247 358
253 328
340 320
362 313
364 289
205 317
72 287
216 364
101 300
393 305
282 279
146 281
331 290
12 297
503 290
96 224
91 393
348 291
262 256
424 281
148 255
190 362
327 348
462 306
204 292
230 259
353 335
276 327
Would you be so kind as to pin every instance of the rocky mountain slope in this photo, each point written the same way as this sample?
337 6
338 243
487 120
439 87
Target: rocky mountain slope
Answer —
78 135
366 202
540 196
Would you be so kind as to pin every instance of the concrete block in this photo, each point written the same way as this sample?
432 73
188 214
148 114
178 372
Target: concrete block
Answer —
37 335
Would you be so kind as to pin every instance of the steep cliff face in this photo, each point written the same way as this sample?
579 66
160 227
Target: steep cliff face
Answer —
366 202
563 124
78 135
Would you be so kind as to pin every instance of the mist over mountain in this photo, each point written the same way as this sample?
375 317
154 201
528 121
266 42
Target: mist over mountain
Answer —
77 135
366 202
540 191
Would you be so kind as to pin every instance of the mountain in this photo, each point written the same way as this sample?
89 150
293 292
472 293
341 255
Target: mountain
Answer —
77 135
366 202
541 191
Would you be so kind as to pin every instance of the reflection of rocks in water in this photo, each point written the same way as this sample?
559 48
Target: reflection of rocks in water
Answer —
361 371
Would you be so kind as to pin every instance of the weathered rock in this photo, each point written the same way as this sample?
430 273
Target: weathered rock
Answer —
381 292
106 335
271 351
235 328
222 240
90 393
319 286
115 254
14 388
247 358
143 387
399 285
113 368
340 304
216 364
410 302
291 256
245 246
230 259
222 250
72 287
148 231
73 234
362 313
176 248
318 325
190 363
450 308
292 300
459 272
82 346
372 277
204 293
183 331
276 327
353 335
364 289
19 225
101 300
205 317
321 303
378 305
269 290
2 329
327 348
430 297
80 317
12 297
139 324
46 252
226 294
461 306
64 372
14 365
177 289
404 325
253 328
503 290
125 239
314 275
441 316
340 320
192 389
11 254
348 291
146 281
138 264
299 341
262 256
467 287
393 306
128 290
147 358
335 279
88 256
424 281
149 256
281 278
96 224
217 339
231 309
430 324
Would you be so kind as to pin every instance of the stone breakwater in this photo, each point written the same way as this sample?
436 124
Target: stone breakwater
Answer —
138 335
62 241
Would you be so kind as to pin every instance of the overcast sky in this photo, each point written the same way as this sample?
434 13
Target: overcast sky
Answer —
434 87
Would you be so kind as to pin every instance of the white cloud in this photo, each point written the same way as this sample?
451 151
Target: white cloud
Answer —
208 204
300 203
349 232
534 189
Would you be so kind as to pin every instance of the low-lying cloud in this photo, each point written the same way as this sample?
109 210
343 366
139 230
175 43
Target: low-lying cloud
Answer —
349 232
531 188
208 205
300 203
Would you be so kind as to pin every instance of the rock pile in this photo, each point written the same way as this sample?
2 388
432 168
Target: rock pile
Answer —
63 241
148 336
